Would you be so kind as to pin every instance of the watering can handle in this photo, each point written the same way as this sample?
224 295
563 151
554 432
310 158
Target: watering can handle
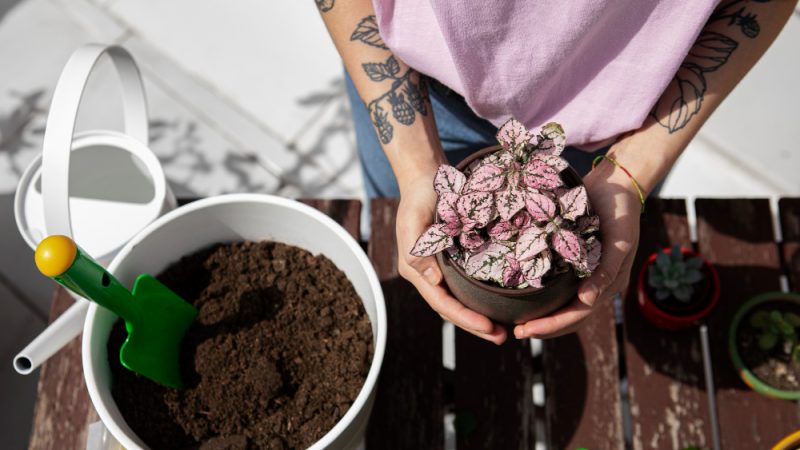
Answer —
61 124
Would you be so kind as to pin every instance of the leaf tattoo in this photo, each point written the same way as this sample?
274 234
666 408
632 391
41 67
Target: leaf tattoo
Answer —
405 98
324 5
684 96
367 32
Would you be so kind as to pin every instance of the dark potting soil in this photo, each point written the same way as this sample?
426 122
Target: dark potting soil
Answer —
773 367
279 351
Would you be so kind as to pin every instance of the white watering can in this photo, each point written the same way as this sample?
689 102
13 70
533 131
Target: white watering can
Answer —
99 187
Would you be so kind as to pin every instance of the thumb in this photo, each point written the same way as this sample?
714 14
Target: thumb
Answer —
427 267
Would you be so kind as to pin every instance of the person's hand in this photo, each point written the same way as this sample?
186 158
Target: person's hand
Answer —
414 215
617 203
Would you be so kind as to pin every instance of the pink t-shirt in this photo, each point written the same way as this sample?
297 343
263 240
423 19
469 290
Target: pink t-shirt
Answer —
597 67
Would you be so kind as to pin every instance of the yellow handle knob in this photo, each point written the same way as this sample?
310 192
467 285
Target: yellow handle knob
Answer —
55 254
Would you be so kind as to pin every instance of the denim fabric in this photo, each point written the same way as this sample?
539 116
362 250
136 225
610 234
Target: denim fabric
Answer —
460 131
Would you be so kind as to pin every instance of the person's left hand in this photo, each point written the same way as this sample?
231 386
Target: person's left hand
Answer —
616 202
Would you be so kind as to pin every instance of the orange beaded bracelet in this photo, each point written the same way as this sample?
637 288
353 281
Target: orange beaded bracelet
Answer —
633 180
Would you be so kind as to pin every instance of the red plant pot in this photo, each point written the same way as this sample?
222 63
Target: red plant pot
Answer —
668 320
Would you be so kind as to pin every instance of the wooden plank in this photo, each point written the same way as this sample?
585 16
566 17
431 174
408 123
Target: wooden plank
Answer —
63 411
493 397
581 379
408 411
790 227
737 236
346 212
666 385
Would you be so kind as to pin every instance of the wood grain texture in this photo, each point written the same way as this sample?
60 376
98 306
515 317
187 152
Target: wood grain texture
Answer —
581 378
737 237
63 410
666 385
790 227
346 212
408 412
493 397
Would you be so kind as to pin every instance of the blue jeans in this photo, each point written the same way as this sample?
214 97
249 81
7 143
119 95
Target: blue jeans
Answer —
461 132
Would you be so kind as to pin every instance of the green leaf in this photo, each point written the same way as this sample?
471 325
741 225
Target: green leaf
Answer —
675 255
767 341
759 319
693 276
784 327
662 260
792 318
654 279
684 293
663 294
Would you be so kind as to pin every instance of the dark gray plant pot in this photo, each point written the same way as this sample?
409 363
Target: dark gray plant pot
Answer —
504 305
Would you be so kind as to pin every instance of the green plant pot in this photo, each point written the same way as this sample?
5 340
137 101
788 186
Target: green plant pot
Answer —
746 375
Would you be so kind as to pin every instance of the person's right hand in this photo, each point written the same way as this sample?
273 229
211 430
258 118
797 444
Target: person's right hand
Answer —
414 215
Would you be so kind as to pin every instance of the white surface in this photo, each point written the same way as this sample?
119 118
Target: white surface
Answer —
233 218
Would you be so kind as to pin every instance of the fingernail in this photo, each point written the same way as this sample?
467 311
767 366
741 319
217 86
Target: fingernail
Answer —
430 276
591 293
518 333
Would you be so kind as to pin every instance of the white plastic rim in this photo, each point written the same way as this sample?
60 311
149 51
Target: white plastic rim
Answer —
29 205
229 218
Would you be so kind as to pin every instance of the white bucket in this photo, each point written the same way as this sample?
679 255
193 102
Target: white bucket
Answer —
230 218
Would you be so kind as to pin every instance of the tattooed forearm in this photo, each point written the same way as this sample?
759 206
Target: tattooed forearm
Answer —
324 5
367 32
684 96
405 97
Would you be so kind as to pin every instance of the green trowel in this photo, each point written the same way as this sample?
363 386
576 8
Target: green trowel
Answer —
155 317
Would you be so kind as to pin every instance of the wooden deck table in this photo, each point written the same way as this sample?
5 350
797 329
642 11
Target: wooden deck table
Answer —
585 375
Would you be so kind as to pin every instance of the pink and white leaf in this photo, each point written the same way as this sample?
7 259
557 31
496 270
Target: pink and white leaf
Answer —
531 242
513 135
569 246
553 161
593 250
432 241
512 272
471 240
476 209
501 230
537 268
509 201
486 178
551 140
574 202
488 263
448 179
446 207
540 206
539 175
522 220
588 224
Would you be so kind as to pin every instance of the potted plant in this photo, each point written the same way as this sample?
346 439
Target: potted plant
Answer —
514 230
677 287
764 346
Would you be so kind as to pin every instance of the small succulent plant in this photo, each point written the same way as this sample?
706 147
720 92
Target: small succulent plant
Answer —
673 276
508 218
777 328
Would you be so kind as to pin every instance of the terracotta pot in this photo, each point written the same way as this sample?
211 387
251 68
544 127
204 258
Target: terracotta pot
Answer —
675 319
745 374
505 305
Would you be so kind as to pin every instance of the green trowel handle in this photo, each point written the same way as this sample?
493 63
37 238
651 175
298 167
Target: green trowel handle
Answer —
59 258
